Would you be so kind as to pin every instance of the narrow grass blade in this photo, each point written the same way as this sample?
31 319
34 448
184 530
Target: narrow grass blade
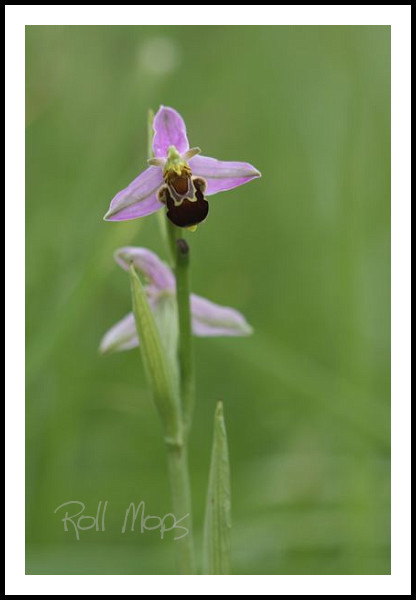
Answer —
218 508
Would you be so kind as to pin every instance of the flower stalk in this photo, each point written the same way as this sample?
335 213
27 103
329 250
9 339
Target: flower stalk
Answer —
185 349
182 506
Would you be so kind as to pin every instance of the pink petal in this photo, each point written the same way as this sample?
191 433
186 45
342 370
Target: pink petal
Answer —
122 336
209 319
222 175
139 198
170 130
149 264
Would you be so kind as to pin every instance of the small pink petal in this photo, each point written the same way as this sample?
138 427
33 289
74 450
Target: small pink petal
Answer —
222 175
210 319
170 130
139 198
122 336
149 264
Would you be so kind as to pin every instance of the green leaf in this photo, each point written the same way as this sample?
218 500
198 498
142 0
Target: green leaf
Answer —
166 316
158 367
218 509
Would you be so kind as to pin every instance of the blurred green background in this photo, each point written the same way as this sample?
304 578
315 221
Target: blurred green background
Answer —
303 252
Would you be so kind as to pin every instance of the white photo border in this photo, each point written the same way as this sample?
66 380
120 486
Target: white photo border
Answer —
17 17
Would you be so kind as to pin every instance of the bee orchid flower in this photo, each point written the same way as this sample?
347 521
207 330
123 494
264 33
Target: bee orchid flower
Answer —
208 319
178 177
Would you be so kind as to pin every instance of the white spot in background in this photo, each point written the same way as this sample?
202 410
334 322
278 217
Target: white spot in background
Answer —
160 55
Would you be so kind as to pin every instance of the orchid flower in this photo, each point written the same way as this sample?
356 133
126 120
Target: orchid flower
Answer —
178 177
208 319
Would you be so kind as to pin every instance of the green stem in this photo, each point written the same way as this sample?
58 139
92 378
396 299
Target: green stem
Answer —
172 235
177 454
185 350
181 496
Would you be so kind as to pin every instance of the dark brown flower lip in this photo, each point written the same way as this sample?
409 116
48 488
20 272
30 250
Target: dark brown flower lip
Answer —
187 213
